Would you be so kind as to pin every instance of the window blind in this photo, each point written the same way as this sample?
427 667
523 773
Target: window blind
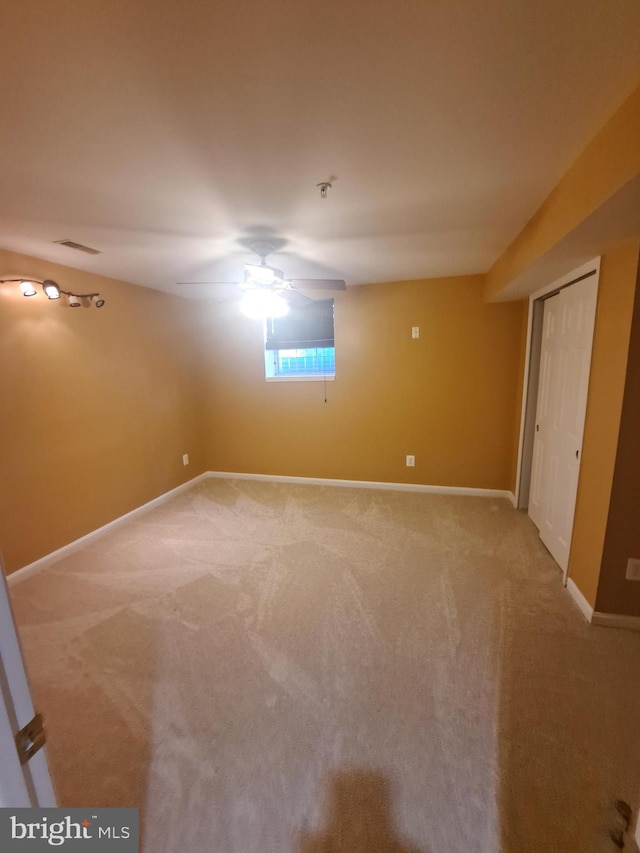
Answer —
305 326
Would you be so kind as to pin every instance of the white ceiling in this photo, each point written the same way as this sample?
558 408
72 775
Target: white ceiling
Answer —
169 134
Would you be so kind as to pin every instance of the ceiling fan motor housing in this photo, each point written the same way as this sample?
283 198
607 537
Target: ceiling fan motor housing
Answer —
262 274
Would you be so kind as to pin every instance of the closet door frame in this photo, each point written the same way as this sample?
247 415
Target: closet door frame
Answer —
532 374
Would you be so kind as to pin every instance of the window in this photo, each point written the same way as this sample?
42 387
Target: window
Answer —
301 345
292 363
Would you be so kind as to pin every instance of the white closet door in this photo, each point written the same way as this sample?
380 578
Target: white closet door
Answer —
562 402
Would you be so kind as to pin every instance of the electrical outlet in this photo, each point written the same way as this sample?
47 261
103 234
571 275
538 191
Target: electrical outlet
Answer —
415 332
411 461
185 458
633 569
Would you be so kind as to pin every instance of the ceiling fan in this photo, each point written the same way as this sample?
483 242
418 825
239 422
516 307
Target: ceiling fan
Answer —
266 292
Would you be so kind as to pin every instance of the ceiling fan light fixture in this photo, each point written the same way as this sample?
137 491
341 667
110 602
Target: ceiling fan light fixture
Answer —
258 304
263 274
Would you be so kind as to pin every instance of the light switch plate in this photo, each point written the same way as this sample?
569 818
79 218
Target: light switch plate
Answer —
633 569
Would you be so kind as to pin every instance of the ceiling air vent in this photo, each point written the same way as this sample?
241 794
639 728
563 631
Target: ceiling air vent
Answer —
78 246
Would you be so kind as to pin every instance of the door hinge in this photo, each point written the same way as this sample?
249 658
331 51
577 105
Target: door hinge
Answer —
30 739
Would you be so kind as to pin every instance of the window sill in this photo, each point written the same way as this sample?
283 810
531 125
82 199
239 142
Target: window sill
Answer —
300 378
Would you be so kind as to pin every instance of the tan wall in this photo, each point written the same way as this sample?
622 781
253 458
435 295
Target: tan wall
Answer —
610 160
448 398
622 539
517 411
97 407
606 389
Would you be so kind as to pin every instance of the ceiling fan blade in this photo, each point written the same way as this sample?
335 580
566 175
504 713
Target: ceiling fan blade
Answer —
318 283
294 297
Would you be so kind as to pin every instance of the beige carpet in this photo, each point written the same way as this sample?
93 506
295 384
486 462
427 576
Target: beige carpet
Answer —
268 668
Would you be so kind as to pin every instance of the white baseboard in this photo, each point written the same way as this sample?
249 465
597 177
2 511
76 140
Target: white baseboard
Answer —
603 620
583 605
608 620
616 620
368 484
512 499
38 565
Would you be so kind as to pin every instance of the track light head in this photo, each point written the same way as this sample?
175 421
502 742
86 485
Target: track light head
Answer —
74 301
97 301
27 288
51 289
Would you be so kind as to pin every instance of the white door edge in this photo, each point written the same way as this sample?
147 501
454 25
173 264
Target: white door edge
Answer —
29 784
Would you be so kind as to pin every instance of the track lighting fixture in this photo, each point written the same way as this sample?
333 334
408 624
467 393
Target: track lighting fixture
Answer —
53 291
